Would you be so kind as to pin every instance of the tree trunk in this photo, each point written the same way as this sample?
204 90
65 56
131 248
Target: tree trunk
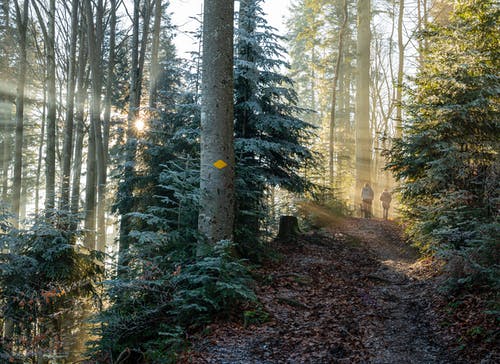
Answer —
216 216
90 191
96 164
399 82
40 151
22 25
50 159
102 204
70 111
363 131
111 77
146 11
331 143
80 126
155 66
288 228
131 144
95 39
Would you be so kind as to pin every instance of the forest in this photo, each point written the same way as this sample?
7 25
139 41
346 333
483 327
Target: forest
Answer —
324 191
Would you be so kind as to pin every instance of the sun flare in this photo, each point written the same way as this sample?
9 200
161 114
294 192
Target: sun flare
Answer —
139 124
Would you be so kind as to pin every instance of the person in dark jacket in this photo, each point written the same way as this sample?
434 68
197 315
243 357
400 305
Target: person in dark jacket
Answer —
386 199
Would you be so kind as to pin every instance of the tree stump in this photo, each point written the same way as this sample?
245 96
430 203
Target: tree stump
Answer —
289 228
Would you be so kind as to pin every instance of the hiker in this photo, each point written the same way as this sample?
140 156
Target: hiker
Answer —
386 199
367 198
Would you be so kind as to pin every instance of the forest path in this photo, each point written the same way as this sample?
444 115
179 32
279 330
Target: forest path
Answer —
351 293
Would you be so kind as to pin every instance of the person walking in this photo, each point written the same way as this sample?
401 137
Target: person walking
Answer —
367 198
386 199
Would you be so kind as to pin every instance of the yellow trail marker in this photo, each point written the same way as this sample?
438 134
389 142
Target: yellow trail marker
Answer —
220 164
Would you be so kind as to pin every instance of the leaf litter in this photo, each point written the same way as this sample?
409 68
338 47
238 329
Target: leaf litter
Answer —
351 293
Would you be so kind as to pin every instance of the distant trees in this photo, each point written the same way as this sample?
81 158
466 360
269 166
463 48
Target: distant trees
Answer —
350 70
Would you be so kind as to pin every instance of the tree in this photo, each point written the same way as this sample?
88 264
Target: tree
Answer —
216 216
70 111
138 50
269 131
340 50
363 131
49 34
447 159
22 16
97 158
401 59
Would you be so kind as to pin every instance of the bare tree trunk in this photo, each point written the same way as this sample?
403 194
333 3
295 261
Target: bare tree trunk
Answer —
70 112
90 191
131 144
50 160
331 143
399 82
146 11
5 111
5 158
80 126
216 216
102 204
96 163
22 26
363 132
111 77
155 66
40 151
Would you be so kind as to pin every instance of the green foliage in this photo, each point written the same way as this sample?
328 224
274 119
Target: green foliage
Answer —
44 279
269 132
255 317
448 158
165 294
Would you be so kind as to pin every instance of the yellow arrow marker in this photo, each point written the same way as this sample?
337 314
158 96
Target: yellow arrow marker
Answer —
220 164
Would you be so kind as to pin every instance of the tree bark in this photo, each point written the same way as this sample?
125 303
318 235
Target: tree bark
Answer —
95 205
331 144
5 111
131 144
399 82
155 66
70 112
216 216
50 159
363 130
40 151
95 40
22 26
288 228
80 125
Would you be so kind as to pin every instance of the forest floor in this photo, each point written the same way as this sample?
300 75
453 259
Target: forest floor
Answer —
354 292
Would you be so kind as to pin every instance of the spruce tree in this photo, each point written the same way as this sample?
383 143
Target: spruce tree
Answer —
269 132
448 159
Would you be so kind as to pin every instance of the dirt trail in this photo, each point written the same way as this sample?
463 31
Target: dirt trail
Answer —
406 333
348 294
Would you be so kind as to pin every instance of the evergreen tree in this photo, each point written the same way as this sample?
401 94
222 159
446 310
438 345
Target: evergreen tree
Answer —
45 282
269 132
448 160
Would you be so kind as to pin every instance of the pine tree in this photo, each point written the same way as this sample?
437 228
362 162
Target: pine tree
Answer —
448 161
